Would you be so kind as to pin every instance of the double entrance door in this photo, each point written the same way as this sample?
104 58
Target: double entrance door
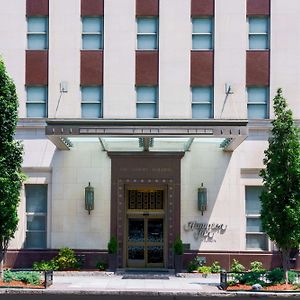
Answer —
145 245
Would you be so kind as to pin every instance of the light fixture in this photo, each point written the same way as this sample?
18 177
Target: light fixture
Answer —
202 199
89 198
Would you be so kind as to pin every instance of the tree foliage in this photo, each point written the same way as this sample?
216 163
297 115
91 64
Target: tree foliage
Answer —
280 199
11 151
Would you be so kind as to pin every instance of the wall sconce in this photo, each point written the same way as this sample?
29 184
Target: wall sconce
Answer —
89 198
202 199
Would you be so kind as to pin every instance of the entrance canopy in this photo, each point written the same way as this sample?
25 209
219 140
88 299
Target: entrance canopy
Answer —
146 135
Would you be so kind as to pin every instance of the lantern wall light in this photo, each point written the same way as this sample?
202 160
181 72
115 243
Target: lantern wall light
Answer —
89 198
202 199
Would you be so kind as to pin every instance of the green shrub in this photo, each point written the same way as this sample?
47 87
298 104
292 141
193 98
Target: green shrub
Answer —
275 276
195 263
236 267
66 259
45 265
112 245
257 266
178 246
30 277
215 267
101 266
251 278
292 277
204 269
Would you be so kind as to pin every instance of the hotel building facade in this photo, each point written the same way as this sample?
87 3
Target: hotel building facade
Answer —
162 108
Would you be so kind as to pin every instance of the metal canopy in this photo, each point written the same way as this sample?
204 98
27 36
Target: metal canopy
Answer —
233 132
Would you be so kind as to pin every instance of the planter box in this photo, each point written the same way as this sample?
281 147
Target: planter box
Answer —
178 262
112 262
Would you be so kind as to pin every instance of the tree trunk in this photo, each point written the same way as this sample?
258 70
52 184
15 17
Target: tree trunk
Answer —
1 263
286 263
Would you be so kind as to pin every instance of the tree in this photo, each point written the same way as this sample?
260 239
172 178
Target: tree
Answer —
11 151
280 199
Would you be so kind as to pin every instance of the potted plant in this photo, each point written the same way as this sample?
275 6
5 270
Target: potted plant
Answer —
112 247
178 254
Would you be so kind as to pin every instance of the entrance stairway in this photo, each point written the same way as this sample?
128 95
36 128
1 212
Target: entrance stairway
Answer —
145 273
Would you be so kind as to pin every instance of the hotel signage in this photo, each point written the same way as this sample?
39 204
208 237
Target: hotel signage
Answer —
205 231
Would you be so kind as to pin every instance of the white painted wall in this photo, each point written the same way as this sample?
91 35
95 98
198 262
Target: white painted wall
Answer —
119 98
231 38
64 58
285 51
175 41
13 42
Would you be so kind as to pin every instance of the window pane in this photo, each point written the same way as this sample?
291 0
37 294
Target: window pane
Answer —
37 24
35 240
253 205
35 222
256 241
37 41
201 111
257 111
202 25
90 111
258 25
147 25
92 24
146 94
258 41
91 41
147 42
146 110
36 198
91 93
202 94
36 93
254 225
202 42
36 110
258 94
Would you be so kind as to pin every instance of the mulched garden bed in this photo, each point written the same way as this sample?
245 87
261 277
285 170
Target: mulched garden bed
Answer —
20 284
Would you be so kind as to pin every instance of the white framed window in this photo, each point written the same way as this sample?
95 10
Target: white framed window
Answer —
258 33
36 216
202 36
36 103
92 33
91 102
147 33
146 102
258 98
256 239
202 102
37 33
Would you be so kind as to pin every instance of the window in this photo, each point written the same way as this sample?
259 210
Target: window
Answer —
91 105
258 33
146 102
202 99
202 33
92 33
147 29
36 103
36 215
258 102
37 36
256 239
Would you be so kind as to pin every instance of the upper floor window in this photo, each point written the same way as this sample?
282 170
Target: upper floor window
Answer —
258 33
258 102
92 33
202 33
36 103
37 33
202 102
36 215
146 105
147 33
256 239
91 103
